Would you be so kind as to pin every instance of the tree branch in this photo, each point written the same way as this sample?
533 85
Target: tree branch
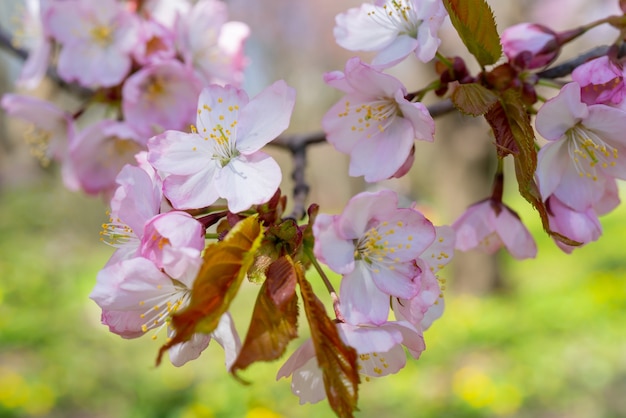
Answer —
567 67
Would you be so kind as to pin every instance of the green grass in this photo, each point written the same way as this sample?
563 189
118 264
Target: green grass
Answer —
553 345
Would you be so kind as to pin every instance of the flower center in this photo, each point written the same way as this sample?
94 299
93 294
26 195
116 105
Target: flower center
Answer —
375 115
397 15
102 35
160 308
117 234
221 131
38 140
589 152
375 249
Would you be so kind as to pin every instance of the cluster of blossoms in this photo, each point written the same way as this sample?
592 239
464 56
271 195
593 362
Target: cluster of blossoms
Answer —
143 70
159 66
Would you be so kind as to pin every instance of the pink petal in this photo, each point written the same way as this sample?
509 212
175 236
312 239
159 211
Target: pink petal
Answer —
361 300
330 248
248 180
265 117
561 113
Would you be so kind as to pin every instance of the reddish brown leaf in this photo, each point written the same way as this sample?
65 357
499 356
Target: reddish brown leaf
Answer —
474 22
514 134
622 5
337 360
275 317
224 266
472 99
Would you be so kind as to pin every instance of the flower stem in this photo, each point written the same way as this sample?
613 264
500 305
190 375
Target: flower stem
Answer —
445 61
331 290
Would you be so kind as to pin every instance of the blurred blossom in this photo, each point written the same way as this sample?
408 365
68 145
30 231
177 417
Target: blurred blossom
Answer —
211 44
50 134
490 225
160 96
100 151
97 40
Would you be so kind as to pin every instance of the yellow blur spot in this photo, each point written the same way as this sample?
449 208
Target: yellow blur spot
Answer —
262 412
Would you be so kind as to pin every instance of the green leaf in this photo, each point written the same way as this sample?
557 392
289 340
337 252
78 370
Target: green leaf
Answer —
475 24
472 99
224 266
514 135
337 361
274 319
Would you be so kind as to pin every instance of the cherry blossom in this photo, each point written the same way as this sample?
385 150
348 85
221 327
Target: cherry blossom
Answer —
137 297
380 354
375 245
100 151
211 44
394 28
97 40
490 225
50 134
170 240
601 81
156 43
586 148
221 157
160 96
374 123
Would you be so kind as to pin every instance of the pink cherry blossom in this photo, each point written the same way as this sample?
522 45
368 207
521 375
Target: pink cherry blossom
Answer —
580 226
211 44
50 134
380 354
100 151
394 28
171 240
539 42
221 158
137 297
375 245
490 225
97 39
587 147
374 123
156 43
601 81
159 97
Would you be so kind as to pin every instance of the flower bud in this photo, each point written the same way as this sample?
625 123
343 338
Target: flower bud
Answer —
529 45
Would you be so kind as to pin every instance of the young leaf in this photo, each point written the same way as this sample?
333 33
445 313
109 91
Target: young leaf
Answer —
472 99
514 135
622 5
224 266
274 319
337 361
474 22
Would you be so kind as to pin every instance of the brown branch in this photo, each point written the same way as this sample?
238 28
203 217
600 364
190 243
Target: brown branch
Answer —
566 68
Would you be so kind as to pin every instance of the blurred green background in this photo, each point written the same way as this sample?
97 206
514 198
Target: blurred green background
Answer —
551 343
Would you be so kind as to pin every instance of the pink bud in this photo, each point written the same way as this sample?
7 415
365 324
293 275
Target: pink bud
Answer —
530 45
